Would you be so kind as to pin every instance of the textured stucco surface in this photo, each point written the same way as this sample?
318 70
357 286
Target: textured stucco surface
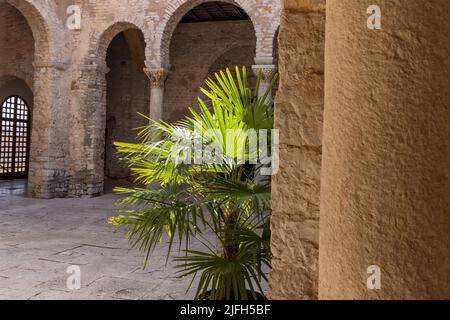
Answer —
296 188
386 175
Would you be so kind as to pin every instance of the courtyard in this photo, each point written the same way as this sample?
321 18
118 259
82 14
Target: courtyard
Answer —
40 239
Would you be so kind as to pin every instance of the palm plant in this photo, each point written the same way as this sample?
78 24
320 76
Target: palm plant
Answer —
192 196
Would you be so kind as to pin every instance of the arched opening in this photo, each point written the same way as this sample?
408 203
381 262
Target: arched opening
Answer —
235 57
17 54
211 36
127 95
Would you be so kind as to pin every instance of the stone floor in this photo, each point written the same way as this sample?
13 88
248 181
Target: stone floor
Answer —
40 239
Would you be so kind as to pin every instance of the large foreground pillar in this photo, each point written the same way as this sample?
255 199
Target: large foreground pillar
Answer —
385 196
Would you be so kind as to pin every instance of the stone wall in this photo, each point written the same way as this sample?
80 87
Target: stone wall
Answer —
296 188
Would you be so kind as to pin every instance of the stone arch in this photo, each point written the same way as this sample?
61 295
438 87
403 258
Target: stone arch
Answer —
160 56
191 60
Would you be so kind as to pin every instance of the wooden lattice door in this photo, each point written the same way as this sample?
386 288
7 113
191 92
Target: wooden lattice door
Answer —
14 138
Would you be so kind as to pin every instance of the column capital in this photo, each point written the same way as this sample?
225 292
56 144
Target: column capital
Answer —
157 76
267 71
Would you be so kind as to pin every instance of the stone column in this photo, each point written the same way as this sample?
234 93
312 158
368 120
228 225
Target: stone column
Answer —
267 72
157 78
385 192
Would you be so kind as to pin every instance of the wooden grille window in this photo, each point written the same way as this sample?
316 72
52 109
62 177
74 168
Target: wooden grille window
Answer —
14 138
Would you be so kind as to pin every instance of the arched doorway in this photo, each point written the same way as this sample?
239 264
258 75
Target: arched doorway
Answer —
211 36
14 138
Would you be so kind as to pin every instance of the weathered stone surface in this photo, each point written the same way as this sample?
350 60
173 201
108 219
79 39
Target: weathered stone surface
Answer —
40 239
296 188
70 76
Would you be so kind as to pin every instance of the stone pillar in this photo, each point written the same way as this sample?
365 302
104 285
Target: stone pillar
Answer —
385 194
157 78
267 72
48 149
